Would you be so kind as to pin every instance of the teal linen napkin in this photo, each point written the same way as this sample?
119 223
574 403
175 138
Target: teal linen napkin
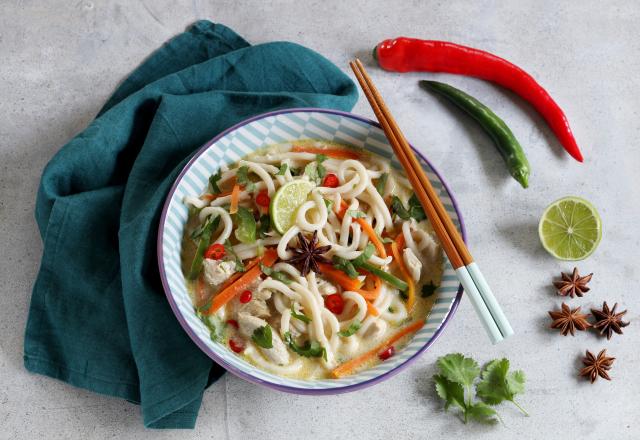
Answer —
99 318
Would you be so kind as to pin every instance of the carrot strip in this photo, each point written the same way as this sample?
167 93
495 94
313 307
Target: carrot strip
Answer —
411 291
339 277
348 367
335 153
371 309
235 198
372 295
342 210
232 279
247 277
366 227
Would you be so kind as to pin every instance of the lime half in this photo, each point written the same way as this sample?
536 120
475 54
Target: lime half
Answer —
286 201
570 229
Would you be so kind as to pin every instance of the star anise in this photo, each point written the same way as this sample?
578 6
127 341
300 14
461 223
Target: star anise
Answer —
597 365
573 285
307 255
608 321
568 320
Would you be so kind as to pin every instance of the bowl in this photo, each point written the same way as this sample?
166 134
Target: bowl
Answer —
235 143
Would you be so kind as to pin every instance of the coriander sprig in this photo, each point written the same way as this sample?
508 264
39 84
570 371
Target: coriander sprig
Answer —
455 383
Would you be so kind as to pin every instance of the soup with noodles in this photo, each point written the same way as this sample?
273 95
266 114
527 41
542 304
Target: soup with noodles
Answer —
311 260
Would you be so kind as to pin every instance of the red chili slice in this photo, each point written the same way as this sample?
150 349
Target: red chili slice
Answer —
334 303
331 181
215 252
262 199
235 346
245 296
386 354
233 323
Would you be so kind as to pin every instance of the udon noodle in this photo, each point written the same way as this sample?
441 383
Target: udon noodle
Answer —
300 281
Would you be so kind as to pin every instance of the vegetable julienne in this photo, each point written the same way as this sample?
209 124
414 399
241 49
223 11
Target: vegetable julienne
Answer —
348 367
288 249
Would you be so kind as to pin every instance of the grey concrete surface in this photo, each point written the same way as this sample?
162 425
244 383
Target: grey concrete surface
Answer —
60 60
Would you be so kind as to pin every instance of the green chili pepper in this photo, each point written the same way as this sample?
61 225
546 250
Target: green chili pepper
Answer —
211 224
507 144
395 282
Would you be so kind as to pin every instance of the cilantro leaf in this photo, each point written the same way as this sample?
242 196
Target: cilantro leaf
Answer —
321 169
311 171
414 209
346 266
210 224
458 368
428 289
353 328
381 183
498 385
213 183
263 337
300 316
228 248
282 170
265 225
398 208
309 349
482 413
451 392
246 225
328 203
208 321
242 177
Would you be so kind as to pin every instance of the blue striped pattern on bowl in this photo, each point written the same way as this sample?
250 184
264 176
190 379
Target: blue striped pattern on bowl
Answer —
229 147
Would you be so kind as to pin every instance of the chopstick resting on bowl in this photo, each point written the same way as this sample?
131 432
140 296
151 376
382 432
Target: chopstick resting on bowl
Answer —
469 275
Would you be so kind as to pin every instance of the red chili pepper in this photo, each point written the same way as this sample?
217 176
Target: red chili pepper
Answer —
414 55
386 354
235 346
331 181
262 199
215 252
334 303
233 323
245 296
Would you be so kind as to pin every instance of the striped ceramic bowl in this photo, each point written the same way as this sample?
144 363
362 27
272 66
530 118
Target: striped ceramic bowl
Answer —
229 147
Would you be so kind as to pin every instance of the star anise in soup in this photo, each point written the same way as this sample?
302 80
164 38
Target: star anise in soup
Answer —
308 254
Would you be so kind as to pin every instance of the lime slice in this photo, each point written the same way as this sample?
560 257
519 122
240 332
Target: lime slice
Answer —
570 229
286 201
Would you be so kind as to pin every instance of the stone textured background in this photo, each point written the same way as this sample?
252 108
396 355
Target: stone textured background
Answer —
60 60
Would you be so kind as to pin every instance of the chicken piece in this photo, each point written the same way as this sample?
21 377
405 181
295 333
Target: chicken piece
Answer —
217 272
376 329
414 266
278 353
258 304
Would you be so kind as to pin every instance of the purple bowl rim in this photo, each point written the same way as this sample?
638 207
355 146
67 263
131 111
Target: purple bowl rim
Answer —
242 374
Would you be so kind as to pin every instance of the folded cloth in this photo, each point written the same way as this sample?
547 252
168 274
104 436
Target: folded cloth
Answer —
99 318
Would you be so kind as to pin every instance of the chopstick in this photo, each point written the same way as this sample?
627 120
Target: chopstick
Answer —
474 283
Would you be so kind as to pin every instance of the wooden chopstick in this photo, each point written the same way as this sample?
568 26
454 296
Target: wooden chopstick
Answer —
469 274
409 161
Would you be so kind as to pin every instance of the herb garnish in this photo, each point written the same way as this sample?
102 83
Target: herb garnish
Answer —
353 328
209 223
263 336
315 170
414 209
228 247
276 275
309 349
346 266
454 385
302 317
242 177
282 169
213 183
381 183
206 320
246 225
265 225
